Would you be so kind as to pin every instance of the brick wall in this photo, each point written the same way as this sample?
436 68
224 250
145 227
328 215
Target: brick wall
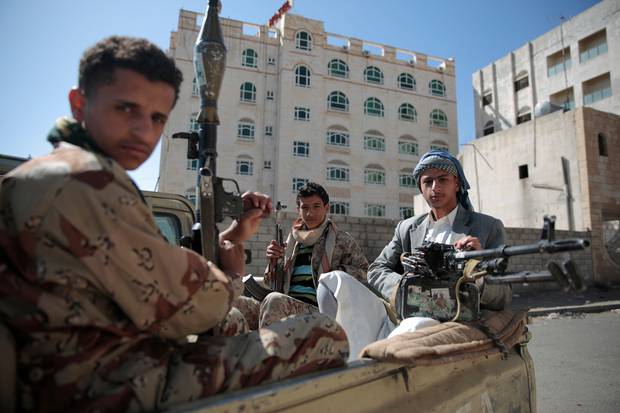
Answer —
374 233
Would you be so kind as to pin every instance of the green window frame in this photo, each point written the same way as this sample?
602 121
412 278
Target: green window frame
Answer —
302 113
249 58
339 208
437 88
298 183
406 212
338 173
373 107
248 92
374 176
338 138
303 41
406 147
406 81
372 74
374 143
438 119
338 101
245 130
405 180
374 210
302 76
407 112
338 68
245 167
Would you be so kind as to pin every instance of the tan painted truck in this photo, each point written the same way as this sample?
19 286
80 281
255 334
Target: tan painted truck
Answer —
487 382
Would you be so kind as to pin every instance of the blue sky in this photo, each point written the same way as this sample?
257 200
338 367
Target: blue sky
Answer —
43 41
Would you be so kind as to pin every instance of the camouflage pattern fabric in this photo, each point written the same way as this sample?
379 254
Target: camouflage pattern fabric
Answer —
100 304
347 256
274 307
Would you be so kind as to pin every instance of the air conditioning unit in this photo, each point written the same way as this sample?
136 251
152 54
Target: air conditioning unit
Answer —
366 53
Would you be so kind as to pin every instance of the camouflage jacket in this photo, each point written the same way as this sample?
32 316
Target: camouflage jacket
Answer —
347 256
97 298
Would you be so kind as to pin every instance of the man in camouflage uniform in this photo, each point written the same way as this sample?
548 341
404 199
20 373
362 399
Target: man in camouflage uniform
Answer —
314 250
99 303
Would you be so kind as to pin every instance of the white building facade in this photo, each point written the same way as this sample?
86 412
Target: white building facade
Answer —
300 104
576 64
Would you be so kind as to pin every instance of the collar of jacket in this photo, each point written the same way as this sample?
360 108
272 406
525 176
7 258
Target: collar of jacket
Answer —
461 225
70 131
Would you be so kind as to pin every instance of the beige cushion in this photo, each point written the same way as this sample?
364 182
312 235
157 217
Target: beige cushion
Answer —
450 341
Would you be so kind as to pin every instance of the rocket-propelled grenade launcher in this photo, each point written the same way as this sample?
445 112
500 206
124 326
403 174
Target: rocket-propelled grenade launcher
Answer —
214 203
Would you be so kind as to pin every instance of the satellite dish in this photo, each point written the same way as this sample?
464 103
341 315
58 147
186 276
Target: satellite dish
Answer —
545 108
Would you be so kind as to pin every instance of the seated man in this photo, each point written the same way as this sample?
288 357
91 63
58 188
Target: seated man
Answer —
100 304
451 221
314 248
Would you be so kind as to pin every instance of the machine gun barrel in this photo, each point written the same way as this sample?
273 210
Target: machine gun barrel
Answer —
543 246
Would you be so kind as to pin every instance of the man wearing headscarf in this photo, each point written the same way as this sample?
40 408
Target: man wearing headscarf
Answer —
451 220
365 311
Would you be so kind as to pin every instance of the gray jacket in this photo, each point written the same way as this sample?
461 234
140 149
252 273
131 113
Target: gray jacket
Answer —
385 272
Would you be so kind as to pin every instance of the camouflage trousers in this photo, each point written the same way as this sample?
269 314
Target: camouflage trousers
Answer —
274 307
287 348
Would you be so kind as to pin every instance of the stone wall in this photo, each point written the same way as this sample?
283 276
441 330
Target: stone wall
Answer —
374 233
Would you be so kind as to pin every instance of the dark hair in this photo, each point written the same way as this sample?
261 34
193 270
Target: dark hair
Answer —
312 188
99 61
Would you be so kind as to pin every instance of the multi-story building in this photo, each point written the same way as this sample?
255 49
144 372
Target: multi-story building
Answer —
575 64
298 104
562 164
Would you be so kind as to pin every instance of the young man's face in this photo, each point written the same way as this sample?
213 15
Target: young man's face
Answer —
439 189
312 211
125 117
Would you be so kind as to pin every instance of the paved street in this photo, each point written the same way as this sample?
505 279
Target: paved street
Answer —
577 362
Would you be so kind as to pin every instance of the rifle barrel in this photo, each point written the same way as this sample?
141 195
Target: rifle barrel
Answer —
540 247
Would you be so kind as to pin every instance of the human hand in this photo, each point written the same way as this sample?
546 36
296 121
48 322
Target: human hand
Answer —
274 250
256 207
232 257
468 243
414 262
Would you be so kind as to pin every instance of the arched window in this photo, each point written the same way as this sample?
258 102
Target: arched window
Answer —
405 178
338 101
194 126
373 107
406 81
439 119
245 129
337 171
602 145
374 174
337 136
338 68
439 146
408 146
248 92
374 210
437 88
303 41
406 212
339 208
245 165
374 141
373 74
406 111
489 128
249 58
302 76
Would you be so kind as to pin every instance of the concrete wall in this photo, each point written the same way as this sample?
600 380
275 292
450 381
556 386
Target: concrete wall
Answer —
373 234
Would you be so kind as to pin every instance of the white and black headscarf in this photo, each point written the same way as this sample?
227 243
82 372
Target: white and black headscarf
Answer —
436 159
